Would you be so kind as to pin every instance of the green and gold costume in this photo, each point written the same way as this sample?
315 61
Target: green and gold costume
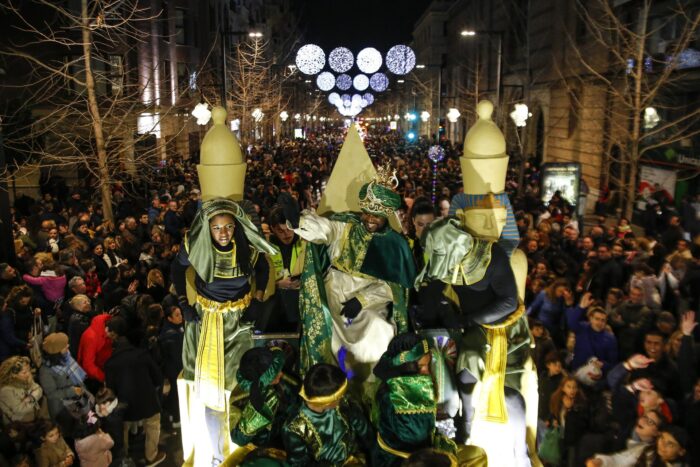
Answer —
334 438
214 342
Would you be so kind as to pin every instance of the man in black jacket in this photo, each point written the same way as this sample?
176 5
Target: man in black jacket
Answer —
135 379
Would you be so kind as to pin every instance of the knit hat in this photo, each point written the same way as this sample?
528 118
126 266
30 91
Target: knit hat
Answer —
55 343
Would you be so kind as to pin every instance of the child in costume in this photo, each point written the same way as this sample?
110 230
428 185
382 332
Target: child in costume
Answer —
330 428
267 397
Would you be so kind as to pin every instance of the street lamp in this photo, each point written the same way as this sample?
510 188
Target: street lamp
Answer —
499 63
255 34
284 115
425 116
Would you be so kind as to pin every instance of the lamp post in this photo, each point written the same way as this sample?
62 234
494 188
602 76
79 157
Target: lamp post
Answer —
519 115
499 62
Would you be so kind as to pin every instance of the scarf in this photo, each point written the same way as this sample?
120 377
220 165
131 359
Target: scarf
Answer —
70 369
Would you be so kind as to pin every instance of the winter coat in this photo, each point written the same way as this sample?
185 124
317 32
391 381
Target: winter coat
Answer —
135 378
57 387
52 286
95 348
10 344
52 454
19 404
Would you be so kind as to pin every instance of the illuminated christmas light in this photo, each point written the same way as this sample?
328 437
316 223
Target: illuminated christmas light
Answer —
341 59
360 82
369 97
310 59
369 60
400 59
343 82
325 81
379 82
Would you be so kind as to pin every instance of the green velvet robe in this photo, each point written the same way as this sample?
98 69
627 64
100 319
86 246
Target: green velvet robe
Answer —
329 438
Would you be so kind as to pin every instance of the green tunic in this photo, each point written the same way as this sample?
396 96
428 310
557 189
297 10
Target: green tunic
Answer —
330 438
406 410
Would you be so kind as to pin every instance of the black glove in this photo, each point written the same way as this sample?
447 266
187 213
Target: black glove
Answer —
290 209
253 311
351 308
189 313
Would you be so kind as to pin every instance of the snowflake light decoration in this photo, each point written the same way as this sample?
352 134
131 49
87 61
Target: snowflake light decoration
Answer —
369 97
343 82
333 98
379 82
360 82
400 59
310 59
325 81
341 59
369 60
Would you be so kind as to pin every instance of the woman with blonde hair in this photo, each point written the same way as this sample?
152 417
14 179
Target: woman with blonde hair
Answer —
21 398
155 285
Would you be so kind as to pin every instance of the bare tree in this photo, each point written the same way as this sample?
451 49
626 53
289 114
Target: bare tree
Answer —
256 83
627 58
84 108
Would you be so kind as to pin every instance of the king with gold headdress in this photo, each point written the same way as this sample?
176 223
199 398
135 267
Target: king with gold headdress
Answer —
357 272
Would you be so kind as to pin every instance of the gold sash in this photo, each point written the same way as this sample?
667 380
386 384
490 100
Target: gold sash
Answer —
492 400
209 370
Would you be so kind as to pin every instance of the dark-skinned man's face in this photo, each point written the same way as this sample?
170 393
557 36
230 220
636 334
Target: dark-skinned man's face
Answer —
373 223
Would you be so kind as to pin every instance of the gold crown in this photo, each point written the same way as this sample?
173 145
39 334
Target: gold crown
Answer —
386 176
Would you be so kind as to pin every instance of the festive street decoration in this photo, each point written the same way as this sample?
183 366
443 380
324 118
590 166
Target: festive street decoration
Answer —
341 59
369 60
325 81
400 59
310 59
360 82
436 154
379 82
343 82
369 97
333 97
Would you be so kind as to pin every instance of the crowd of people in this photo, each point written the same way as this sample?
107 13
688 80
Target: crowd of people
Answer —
91 331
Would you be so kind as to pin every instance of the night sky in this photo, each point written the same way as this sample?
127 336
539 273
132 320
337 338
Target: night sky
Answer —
359 23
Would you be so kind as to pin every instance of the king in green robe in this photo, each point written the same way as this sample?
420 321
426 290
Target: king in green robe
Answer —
357 272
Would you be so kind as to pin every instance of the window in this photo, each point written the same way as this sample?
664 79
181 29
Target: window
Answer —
116 74
181 33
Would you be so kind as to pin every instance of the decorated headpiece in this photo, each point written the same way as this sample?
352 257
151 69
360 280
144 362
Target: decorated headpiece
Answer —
398 360
258 369
328 399
378 196
199 240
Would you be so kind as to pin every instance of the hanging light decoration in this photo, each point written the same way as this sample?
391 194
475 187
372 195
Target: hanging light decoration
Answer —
341 59
333 98
369 60
400 59
369 97
310 59
360 82
343 82
379 82
325 81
